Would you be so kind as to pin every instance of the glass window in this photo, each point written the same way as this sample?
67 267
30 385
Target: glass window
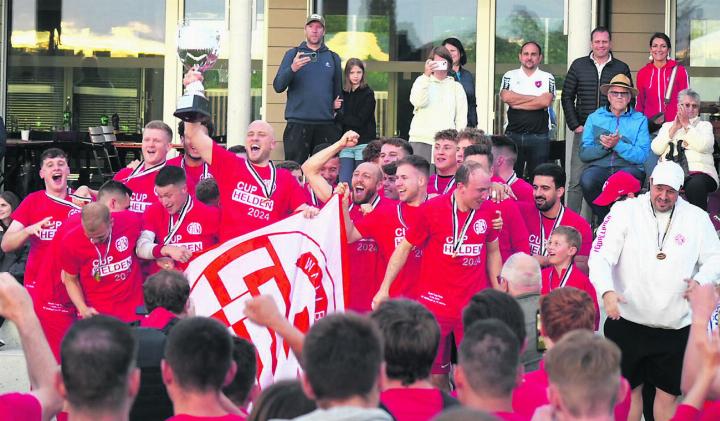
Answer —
93 58
697 36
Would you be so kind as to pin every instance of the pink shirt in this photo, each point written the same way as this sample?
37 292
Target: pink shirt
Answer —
513 235
441 184
141 181
20 407
193 175
551 279
408 404
569 218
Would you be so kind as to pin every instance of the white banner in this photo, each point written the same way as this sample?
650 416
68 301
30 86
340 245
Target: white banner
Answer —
299 261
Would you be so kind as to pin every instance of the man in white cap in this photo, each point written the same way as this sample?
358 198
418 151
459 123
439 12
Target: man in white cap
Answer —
649 252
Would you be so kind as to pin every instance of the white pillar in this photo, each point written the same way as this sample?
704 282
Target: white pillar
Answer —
239 71
485 64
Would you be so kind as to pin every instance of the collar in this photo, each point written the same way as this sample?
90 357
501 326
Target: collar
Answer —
592 57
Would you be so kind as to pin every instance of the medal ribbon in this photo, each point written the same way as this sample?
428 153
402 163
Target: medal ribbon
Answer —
564 278
399 212
96 275
513 178
66 202
447 188
558 219
140 170
174 227
458 237
372 205
267 191
205 172
661 243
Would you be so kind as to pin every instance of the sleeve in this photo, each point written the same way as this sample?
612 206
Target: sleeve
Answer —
518 231
641 87
660 144
285 75
700 138
607 248
590 148
709 259
419 232
69 262
635 149
419 92
146 247
461 107
297 195
23 214
337 76
686 413
551 84
505 82
122 174
221 161
567 99
472 101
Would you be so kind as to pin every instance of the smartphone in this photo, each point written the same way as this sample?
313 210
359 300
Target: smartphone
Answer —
312 55
440 65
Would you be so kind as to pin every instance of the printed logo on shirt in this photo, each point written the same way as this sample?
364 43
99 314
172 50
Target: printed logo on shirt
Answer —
122 243
399 235
138 207
538 83
480 226
462 250
601 233
111 268
195 246
680 239
244 193
534 241
194 228
47 234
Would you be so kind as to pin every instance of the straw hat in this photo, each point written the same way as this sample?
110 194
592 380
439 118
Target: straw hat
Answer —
622 81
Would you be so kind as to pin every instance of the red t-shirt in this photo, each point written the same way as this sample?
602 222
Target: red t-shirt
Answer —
511 416
119 290
532 394
244 206
33 209
141 181
513 235
408 404
710 412
51 291
193 175
523 191
387 226
199 229
228 417
20 407
446 283
441 184
569 218
551 279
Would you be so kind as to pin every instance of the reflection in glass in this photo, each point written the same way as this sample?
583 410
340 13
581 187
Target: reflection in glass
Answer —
696 39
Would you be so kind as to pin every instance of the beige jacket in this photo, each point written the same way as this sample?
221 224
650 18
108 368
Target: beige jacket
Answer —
700 140
438 105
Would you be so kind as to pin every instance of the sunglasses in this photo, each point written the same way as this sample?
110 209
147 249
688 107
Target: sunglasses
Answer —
619 94
691 105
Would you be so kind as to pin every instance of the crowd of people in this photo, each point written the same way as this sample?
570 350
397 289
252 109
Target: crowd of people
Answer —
475 291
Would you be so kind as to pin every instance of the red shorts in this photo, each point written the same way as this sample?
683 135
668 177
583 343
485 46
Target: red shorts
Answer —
451 333
55 320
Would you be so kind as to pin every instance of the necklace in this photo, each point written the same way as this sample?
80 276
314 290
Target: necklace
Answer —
661 242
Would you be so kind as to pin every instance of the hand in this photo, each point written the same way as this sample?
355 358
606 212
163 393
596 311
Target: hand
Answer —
611 299
191 76
165 263
179 254
263 311
133 164
299 62
609 141
349 139
429 67
343 190
37 227
542 260
15 302
500 192
691 285
381 296
366 208
337 104
497 223
682 116
703 299
579 129
87 312
81 196
310 212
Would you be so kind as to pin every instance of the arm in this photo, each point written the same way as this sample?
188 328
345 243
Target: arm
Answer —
263 310
16 306
74 289
494 263
636 150
419 97
537 102
396 263
285 73
569 94
700 138
146 248
703 301
461 107
17 234
709 258
311 168
604 256
590 148
351 231
660 144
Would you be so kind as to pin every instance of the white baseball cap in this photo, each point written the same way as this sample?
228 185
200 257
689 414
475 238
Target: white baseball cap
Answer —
668 173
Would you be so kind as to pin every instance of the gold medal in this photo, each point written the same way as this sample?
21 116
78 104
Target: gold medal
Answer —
96 275
661 256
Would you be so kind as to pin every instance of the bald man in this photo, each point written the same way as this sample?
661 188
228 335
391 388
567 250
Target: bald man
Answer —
102 274
253 193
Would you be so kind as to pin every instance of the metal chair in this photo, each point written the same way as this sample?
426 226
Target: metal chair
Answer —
107 160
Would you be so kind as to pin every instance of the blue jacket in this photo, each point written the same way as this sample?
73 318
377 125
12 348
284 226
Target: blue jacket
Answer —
311 90
631 150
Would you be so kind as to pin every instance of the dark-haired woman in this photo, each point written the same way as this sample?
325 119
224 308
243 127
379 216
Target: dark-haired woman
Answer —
462 75
13 262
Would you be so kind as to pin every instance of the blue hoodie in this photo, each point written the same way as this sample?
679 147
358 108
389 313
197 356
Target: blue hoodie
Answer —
311 90
631 150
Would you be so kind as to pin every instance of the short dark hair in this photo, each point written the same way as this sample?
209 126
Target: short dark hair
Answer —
113 187
457 44
207 123
551 170
489 356
97 357
564 310
288 165
399 142
199 352
371 152
418 162
237 149
531 43
505 143
342 355
663 37
472 134
170 175
168 289
390 168
464 413
493 304
244 355
462 175
410 338
599 29
478 149
207 191
282 400
447 134
51 153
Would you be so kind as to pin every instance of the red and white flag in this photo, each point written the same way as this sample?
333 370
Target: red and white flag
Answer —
299 261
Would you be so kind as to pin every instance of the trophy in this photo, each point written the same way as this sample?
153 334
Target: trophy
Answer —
197 50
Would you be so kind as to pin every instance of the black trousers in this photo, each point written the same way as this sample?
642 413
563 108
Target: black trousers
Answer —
697 188
299 139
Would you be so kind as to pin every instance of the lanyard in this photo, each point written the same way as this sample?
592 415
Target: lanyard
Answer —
372 205
558 219
267 190
140 170
513 178
661 243
458 232
447 188
101 258
65 202
174 227
205 171
563 279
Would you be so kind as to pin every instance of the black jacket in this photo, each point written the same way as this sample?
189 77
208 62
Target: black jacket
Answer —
581 91
358 113
467 80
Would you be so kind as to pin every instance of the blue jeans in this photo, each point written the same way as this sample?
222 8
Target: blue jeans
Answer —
592 180
533 150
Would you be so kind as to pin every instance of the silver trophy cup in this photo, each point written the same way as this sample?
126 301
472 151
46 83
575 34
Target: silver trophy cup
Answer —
198 50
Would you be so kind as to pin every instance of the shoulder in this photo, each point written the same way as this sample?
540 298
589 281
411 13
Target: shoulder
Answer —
122 173
174 162
511 74
126 220
580 62
545 75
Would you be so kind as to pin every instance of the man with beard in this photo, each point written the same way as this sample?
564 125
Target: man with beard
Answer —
445 159
195 169
365 264
253 193
141 179
549 212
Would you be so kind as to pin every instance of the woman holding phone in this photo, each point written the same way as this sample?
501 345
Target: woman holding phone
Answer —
463 76
439 102
356 111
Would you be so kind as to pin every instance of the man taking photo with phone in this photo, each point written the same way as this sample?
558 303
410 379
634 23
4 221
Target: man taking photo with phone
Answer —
312 75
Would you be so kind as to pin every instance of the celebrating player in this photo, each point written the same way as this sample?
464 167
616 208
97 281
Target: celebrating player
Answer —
195 169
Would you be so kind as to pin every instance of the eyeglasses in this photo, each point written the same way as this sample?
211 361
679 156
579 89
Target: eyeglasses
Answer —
691 105
619 94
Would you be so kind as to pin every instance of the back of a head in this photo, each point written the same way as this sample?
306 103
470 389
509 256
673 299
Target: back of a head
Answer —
493 304
237 149
474 135
479 149
504 146
113 188
342 355
94 214
372 151
585 369
288 165
168 289
522 271
199 352
244 355
207 191
564 310
282 400
319 147
98 355
489 356
463 413
410 339
170 175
